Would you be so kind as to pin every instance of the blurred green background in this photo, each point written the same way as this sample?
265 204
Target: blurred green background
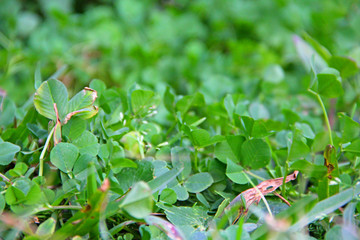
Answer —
216 47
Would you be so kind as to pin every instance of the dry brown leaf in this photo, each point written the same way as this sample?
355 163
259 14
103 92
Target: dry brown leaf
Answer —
253 195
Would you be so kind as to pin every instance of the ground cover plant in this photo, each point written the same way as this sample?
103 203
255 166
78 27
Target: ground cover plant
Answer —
179 119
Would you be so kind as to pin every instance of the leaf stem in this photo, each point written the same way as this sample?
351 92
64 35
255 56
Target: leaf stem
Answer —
286 169
325 114
41 159
4 178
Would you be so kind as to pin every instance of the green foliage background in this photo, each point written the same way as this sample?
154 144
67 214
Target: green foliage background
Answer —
197 101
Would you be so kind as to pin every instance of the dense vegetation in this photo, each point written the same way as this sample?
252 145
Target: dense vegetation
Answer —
146 119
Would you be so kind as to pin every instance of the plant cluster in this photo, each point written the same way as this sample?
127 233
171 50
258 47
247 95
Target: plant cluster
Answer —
211 120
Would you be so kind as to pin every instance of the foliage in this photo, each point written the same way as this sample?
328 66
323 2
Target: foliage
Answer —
146 119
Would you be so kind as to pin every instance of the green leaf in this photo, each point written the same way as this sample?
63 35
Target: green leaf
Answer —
202 138
37 77
168 196
169 100
7 152
63 156
180 159
81 166
74 128
189 218
83 99
354 147
229 106
98 85
346 66
229 149
305 130
141 101
326 206
120 163
298 148
198 182
138 202
14 195
310 169
87 143
50 92
47 228
274 74
311 59
185 103
7 111
236 173
350 129
256 153
329 83
19 169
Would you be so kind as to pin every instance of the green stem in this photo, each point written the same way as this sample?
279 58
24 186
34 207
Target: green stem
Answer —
283 187
196 159
41 159
4 177
255 176
325 114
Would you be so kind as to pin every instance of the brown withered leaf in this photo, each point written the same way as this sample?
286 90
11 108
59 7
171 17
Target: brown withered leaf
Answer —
253 195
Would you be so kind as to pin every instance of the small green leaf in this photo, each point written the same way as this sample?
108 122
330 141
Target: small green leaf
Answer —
168 196
185 103
120 163
63 156
305 130
229 149
141 101
37 77
7 111
202 138
83 99
47 228
87 143
74 128
169 100
312 170
256 153
138 202
14 195
346 66
298 148
229 106
180 159
329 83
274 74
50 92
98 85
198 182
236 173
354 147
19 169
7 152
350 129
